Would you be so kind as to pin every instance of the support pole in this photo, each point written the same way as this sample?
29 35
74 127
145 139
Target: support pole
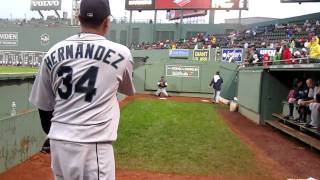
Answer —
240 16
129 30
180 25
154 25
211 16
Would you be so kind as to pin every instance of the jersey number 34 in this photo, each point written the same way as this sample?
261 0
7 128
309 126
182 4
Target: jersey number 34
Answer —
88 90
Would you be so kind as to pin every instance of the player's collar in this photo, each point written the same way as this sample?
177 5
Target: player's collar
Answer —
91 35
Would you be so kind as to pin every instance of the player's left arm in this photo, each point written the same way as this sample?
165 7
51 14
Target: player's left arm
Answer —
45 117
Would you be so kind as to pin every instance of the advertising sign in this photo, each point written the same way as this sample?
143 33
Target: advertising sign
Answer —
230 4
176 14
270 51
183 4
46 5
201 55
9 39
232 55
182 71
179 53
139 4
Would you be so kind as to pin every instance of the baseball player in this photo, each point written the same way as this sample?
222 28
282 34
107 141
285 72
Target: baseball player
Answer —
76 86
216 84
162 84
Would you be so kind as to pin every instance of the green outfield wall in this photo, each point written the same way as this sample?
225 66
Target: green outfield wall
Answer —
42 38
158 63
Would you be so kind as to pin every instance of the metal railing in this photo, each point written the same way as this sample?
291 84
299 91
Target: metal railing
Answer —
293 61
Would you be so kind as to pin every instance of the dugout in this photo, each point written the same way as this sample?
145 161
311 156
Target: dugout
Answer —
262 90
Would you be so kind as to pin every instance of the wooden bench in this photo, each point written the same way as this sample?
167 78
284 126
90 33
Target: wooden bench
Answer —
311 141
296 125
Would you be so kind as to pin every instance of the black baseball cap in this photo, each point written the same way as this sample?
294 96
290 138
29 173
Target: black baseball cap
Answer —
94 9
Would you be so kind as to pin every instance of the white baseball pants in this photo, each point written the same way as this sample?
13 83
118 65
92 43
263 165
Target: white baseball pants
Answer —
216 96
79 161
161 90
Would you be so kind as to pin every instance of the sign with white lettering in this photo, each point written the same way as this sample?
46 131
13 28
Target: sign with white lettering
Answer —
139 4
270 51
182 71
9 39
46 5
232 55
179 53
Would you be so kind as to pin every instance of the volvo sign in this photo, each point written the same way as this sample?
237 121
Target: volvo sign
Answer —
45 5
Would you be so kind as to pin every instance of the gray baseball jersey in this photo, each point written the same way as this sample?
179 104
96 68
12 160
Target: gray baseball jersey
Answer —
78 79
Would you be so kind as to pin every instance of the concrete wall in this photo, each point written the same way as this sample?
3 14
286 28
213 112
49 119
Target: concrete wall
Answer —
20 136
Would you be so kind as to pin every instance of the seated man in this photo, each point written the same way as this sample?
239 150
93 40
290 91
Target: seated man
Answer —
297 93
162 84
311 98
315 113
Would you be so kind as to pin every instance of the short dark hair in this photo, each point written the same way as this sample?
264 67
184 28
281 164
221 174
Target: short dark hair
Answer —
91 23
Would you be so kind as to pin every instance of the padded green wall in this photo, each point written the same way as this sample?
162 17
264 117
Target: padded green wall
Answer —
155 67
249 89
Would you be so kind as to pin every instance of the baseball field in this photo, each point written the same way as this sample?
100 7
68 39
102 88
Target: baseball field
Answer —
179 137
8 69
185 138
189 138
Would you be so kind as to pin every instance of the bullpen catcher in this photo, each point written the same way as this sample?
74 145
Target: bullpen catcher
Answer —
162 84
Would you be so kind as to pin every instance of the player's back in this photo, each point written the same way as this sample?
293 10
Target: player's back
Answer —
84 72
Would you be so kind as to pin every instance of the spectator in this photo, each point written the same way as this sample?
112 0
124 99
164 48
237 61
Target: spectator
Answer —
266 59
286 55
256 59
314 49
292 44
278 55
315 113
216 84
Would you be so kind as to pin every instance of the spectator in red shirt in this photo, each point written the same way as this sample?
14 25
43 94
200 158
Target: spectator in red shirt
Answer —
286 55
265 60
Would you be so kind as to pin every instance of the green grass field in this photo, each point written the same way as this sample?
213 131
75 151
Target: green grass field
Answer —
12 69
179 137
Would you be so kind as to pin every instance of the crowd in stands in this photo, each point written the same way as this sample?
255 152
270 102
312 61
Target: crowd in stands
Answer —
199 41
305 96
293 42
51 21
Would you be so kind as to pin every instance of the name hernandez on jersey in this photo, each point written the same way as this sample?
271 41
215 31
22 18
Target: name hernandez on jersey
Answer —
79 79
87 51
